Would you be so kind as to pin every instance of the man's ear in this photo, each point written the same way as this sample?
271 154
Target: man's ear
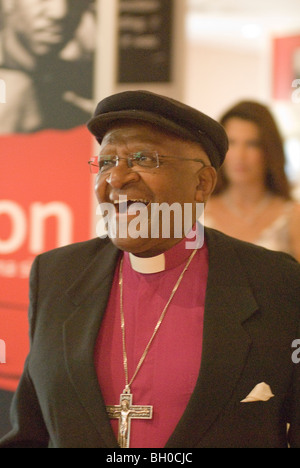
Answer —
207 179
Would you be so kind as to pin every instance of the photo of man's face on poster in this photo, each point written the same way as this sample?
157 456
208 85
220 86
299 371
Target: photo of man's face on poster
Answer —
46 63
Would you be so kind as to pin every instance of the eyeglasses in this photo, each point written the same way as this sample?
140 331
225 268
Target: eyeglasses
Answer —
147 160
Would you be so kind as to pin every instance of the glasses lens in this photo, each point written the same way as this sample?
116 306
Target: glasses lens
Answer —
106 163
145 159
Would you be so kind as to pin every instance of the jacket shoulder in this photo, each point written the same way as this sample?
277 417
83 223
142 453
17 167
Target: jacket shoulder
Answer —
258 261
84 249
66 263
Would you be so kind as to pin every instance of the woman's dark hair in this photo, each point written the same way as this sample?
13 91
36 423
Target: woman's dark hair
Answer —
272 146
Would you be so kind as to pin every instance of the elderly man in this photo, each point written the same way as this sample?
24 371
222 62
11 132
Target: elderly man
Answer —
143 339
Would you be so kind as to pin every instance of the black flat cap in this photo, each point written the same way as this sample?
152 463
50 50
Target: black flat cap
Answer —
167 114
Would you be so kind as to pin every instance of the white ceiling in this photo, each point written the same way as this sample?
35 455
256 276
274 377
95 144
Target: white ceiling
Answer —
241 23
281 8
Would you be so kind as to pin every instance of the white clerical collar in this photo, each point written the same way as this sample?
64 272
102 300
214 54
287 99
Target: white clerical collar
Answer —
148 265
172 258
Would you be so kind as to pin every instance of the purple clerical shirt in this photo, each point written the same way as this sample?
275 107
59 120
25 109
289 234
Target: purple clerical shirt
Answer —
169 373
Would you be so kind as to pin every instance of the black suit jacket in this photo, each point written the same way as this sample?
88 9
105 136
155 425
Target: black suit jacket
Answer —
251 319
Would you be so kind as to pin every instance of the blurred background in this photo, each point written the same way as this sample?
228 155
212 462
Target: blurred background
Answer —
246 50
208 53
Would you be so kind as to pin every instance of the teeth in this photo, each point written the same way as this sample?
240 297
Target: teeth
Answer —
117 202
139 201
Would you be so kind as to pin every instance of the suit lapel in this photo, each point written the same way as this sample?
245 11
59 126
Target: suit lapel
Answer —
89 296
229 302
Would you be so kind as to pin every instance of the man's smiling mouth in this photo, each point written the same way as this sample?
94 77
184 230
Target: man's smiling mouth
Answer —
123 204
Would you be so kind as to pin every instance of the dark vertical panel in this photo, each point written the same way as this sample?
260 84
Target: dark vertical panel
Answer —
145 41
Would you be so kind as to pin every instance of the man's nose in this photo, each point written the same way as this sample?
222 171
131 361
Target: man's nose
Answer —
57 9
121 175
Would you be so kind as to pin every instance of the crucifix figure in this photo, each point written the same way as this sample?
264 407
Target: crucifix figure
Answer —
126 411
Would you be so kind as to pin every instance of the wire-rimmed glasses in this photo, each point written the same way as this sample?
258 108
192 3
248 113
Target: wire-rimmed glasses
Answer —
146 160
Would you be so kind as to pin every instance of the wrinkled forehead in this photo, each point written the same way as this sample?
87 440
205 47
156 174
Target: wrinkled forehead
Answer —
148 135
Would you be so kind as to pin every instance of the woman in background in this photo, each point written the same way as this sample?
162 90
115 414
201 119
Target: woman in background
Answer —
252 200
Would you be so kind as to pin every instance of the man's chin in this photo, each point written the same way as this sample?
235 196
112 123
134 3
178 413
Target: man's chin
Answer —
134 246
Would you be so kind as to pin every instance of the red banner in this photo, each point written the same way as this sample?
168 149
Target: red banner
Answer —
45 202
